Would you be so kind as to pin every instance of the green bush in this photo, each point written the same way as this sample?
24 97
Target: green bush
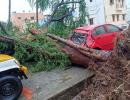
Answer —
58 28
40 54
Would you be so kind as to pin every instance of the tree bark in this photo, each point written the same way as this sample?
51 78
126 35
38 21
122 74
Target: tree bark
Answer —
85 51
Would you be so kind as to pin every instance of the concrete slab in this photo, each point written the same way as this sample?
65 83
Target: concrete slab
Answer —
55 84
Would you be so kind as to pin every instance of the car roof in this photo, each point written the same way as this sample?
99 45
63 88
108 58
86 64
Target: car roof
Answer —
86 28
91 27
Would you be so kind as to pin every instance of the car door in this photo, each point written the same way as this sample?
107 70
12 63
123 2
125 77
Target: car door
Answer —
102 38
112 30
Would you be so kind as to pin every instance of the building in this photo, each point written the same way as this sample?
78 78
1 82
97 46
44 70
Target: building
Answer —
115 11
20 19
95 12
106 11
128 14
128 10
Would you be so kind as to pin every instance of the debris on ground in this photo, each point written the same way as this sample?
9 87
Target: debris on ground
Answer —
112 69
112 78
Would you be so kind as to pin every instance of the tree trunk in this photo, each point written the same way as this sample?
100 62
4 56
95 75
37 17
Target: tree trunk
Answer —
85 51
9 13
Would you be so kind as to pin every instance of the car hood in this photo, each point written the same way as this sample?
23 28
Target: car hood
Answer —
5 57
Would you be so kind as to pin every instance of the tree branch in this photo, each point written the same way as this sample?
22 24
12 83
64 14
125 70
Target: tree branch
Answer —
65 15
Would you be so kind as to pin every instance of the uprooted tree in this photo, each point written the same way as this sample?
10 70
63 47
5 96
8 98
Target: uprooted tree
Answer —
36 52
112 78
112 74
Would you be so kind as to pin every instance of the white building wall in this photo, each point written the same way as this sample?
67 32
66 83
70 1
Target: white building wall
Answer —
96 11
128 14
128 10
115 9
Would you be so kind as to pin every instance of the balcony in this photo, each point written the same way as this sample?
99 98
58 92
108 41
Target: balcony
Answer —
120 6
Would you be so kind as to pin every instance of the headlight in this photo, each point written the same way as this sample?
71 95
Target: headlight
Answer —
24 69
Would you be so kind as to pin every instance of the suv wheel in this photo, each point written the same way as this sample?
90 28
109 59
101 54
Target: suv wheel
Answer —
10 88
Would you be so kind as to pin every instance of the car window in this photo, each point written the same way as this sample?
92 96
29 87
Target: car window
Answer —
99 30
78 38
112 28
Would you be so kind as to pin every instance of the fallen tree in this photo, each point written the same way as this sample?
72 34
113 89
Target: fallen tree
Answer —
112 78
37 52
112 75
91 53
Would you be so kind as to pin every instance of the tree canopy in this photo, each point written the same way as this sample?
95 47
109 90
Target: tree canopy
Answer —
62 9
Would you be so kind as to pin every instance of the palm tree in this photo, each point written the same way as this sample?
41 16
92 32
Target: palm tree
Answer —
9 13
36 3
36 12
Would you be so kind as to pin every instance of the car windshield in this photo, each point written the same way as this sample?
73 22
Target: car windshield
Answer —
78 38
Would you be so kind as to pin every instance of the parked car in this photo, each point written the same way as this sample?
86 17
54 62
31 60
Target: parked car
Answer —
11 74
123 26
97 37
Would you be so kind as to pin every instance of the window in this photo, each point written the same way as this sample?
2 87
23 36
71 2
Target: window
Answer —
117 17
91 0
112 28
78 38
123 3
32 18
113 17
123 16
19 17
91 21
111 2
99 30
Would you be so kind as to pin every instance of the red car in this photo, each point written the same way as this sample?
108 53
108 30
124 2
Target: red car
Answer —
96 37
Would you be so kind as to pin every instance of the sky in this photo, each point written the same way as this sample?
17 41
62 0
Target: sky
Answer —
128 3
19 6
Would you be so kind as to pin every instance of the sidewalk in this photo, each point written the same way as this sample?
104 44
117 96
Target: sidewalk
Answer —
57 84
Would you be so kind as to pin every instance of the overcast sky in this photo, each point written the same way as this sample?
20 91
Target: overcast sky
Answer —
18 6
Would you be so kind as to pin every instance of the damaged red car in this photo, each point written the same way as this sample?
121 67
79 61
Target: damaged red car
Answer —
97 37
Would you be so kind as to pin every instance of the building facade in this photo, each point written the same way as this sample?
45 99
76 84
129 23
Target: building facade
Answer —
20 19
128 10
106 11
128 14
115 11
95 12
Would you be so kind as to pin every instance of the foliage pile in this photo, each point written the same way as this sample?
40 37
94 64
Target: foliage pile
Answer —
35 51
41 54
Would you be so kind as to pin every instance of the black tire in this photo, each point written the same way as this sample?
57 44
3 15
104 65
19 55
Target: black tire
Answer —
10 88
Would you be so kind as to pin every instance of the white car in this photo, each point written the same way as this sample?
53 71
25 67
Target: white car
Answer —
11 73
